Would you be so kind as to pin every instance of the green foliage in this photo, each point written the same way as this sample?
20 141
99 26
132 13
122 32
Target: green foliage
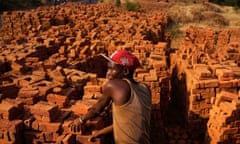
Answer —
118 3
234 3
7 5
236 8
132 6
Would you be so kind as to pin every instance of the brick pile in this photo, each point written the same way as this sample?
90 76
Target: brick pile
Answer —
206 64
223 124
51 65
11 127
156 76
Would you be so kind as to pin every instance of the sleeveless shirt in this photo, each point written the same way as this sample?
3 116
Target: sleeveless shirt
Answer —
131 121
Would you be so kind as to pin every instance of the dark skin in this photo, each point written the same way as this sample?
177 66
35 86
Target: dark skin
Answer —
116 89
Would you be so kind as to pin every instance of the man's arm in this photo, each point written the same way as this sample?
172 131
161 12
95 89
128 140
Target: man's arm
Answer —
95 109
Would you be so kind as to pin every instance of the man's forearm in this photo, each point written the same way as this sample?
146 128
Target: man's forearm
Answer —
105 130
96 108
92 112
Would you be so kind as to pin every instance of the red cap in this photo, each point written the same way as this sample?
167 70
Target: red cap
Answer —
124 58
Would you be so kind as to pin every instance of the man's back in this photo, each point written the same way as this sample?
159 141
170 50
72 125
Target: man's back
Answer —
131 121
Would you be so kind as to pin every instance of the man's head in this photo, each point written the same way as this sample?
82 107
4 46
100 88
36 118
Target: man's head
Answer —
122 63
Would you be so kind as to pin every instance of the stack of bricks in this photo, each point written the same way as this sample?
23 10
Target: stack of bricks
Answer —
223 124
11 127
46 126
205 79
201 72
93 90
51 43
155 74
63 45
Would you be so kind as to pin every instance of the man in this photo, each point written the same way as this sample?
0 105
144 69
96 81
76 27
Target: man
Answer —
131 102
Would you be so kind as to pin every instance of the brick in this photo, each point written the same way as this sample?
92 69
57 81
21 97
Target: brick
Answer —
211 83
202 73
95 95
151 78
84 139
81 107
57 75
45 111
224 74
27 92
50 127
29 100
44 87
225 96
8 111
92 88
49 136
60 100
11 131
225 84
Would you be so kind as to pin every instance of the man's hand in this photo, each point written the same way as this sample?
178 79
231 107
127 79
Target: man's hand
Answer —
77 124
94 135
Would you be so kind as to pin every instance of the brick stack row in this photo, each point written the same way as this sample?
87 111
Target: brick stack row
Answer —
205 76
90 30
205 65
223 124
155 74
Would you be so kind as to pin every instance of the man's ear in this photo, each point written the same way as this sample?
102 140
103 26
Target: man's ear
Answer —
125 71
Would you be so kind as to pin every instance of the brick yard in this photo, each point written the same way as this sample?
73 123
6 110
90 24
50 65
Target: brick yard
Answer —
51 73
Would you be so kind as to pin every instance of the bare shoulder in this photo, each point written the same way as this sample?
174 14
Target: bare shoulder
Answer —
120 91
116 83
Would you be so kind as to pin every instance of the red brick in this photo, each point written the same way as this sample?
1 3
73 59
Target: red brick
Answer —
49 136
44 87
50 127
84 140
8 111
81 107
28 92
58 99
45 111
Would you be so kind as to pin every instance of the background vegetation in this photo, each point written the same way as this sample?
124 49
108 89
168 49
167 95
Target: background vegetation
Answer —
6 5
234 3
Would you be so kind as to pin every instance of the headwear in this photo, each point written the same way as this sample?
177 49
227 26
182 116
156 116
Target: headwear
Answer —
124 58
